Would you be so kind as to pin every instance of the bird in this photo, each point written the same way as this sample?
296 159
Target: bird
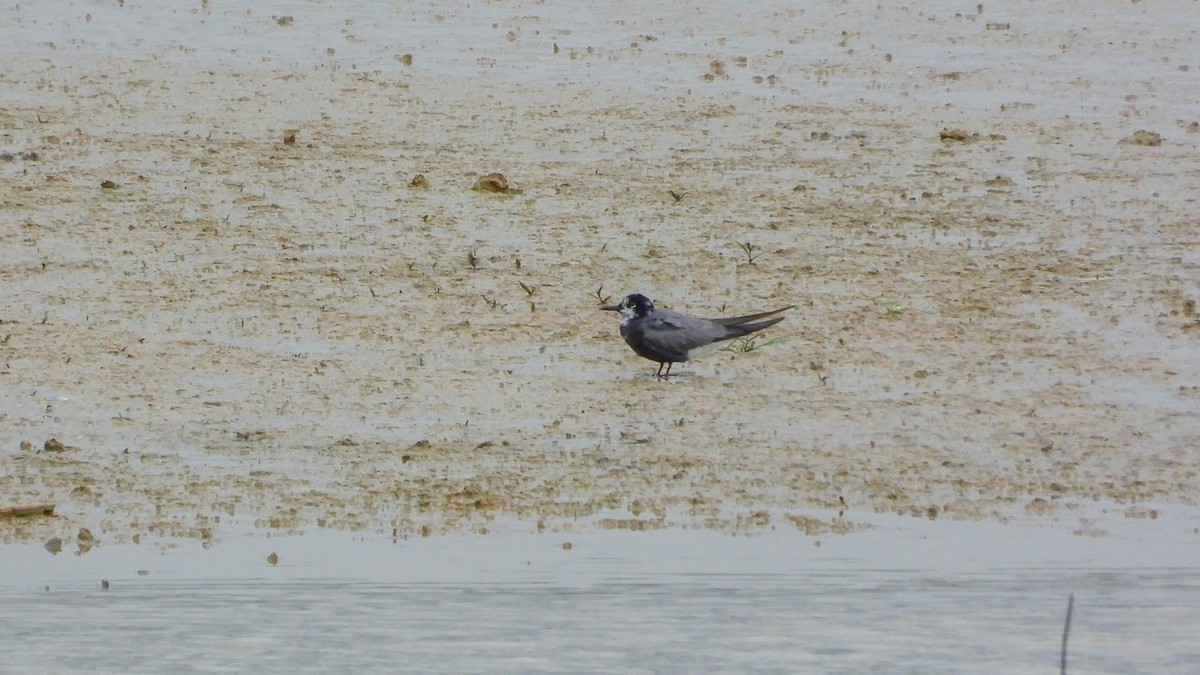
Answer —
669 337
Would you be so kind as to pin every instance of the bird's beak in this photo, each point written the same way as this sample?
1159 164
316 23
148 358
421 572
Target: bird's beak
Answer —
611 308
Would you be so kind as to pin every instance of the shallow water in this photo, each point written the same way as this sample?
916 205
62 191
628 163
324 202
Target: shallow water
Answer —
907 595
836 622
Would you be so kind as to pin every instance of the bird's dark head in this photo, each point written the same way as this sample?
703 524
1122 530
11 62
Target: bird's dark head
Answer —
632 306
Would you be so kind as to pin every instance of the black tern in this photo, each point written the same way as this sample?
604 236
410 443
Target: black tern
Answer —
668 337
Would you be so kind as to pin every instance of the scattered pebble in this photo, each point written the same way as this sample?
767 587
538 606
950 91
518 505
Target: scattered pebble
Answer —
26 511
28 155
963 136
1142 137
494 182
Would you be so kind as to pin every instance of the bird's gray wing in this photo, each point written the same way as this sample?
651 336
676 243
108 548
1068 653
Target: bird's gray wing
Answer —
739 320
673 335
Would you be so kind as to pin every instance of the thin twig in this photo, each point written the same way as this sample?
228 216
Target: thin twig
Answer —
1062 661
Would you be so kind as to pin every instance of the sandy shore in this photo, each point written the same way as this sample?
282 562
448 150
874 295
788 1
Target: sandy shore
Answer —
996 278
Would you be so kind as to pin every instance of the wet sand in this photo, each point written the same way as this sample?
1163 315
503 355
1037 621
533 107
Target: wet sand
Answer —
261 324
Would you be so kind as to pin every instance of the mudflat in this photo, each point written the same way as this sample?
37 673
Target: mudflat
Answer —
245 280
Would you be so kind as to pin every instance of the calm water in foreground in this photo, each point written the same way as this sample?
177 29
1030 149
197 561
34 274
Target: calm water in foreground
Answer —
907 596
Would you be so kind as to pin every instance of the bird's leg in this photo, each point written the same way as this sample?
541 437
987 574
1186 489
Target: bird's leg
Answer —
666 375
659 375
